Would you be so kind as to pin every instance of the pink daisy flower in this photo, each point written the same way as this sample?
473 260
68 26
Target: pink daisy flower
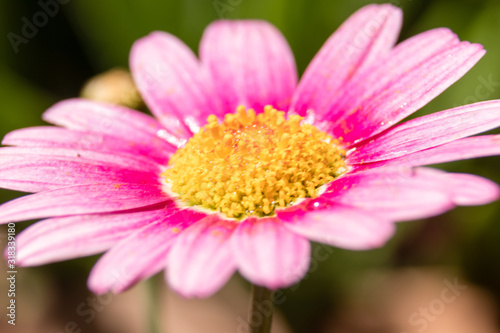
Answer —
242 165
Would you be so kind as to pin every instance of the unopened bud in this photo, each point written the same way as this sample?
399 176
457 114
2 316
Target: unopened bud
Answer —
115 86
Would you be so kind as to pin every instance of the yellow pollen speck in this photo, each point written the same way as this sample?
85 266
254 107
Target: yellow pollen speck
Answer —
217 233
251 164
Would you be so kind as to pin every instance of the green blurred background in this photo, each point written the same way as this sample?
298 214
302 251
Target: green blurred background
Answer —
87 37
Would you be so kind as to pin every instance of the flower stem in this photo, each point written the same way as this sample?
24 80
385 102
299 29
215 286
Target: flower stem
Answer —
261 311
153 310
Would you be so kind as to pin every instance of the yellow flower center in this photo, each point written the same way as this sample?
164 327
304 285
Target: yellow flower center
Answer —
252 164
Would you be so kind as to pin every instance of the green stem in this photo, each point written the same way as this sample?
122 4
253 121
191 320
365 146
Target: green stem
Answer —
261 311
154 301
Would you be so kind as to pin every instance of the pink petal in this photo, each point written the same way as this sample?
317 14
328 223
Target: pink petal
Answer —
268 254
57 137
115 121
201 260
406 79
405 55
429 131
397 194
142 254
173 83
128 161
338 225
78 236
40 169
473 147
368 34
82 199
250 63
472 190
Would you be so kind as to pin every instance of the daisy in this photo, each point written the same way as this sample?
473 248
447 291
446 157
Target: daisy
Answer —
242 165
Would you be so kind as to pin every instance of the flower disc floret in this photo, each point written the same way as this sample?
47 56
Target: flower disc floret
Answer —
250 164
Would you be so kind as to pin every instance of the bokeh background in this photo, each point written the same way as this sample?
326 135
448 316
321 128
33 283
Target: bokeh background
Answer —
384 290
